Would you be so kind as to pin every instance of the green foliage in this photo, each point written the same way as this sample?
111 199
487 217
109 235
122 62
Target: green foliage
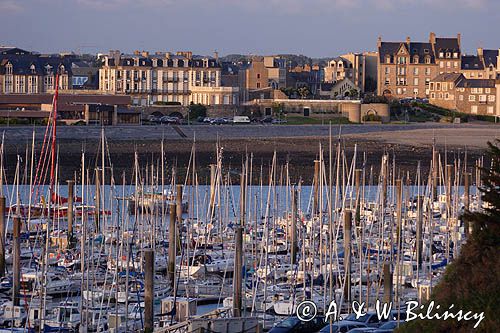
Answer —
372 117
471 282
354 93
303 92
375 99
197 110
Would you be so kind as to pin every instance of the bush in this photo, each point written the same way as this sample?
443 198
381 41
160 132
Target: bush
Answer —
372 117
197 111
167 103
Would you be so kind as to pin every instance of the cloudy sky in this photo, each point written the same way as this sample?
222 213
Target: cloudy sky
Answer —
317 28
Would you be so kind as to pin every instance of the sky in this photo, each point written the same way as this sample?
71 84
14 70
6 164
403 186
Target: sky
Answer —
316 28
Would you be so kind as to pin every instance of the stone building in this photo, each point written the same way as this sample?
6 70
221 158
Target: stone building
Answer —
164 77
484 65
260 74
455 92
358 68
405 69
23 72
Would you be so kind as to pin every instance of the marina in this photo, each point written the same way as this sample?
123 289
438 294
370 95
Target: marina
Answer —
157 252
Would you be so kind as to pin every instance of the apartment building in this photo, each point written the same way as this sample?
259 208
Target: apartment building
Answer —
358 68
484 65
23 72
262 73
165 77
455 92
405 69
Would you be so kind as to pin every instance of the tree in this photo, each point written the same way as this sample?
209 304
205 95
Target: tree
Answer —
197 110
303 92
471 282
354 93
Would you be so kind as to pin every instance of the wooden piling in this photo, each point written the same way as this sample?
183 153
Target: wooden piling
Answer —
98 201
16 278
293 228
2 236
149 262
419 241
238 268
387 282
172 231
347 255
71 188
467 177
316 187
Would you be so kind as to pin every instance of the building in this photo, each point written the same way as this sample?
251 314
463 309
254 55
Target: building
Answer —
406 68
484 65
262 74
455 92
164 77
358 68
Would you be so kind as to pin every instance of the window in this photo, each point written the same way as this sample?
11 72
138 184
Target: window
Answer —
472 98
399 91
415 71
455 64
440 95
451 85
438 86
448 54
387 81
433 95
415 91
258 75
487 90
427 81
401 60
482 98
461 97
415 59
401 71
490 109
387 70
455 55
441 64
427 60
428 71
415 81
473 109
441 55
446 96
491 98
8 69
258 85
388 59
448 64
432 85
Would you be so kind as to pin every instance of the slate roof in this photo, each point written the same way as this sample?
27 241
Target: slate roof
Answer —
448 77
490 57
477 83
471 62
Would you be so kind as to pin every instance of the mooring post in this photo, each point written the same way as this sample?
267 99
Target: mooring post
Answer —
347 255
238 271
17 260
213 170
467 177
2 236
387 282
149 261
419 230
293 228
172 252
98 200
316 188
71 186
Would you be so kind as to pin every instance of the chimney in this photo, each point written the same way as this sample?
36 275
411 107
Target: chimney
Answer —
379 41
408 40
480 52
216 56
167 55
459 39
498 66
136 52
432 38
145 54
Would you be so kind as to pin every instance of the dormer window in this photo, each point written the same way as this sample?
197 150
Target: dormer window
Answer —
448 55
48 69
388 59
441 55
427 59
33 69
426 50
455 55
415 59
8 69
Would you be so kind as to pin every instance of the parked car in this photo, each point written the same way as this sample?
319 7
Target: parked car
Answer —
389 327
370 319
241 120
342 326
279 121
362 330
267 120
200 119
207 120
153 119
219 121
295 325
169 120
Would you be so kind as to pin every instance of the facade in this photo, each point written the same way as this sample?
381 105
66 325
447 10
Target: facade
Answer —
262 74
22 72
455 92
359 68
164 77
405 69
484 65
